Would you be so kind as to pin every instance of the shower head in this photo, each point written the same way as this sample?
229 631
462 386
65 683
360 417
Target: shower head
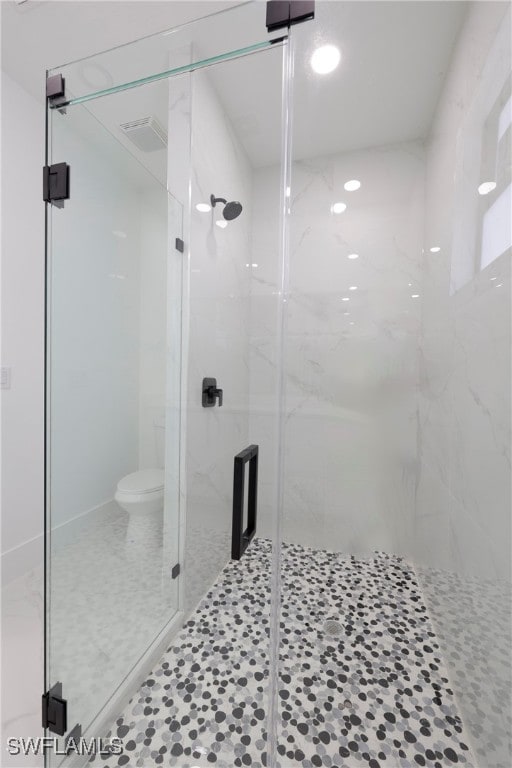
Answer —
231 210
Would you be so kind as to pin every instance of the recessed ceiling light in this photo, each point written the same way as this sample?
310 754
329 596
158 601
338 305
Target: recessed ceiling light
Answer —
338 207
352 185
415 296
221 223
203 207
353 288
325 59
435 249
345 298
353 256
486 187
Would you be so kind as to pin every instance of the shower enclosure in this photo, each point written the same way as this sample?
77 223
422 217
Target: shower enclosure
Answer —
278 391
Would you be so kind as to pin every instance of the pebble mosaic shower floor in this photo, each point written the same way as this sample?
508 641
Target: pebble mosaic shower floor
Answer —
361 681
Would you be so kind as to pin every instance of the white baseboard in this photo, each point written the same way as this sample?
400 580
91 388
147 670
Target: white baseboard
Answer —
28 555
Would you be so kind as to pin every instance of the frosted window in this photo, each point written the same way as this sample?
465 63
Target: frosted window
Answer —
496 229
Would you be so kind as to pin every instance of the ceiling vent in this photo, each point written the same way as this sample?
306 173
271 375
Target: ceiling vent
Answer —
147 134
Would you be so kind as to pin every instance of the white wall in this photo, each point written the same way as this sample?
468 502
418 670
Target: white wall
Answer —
22 328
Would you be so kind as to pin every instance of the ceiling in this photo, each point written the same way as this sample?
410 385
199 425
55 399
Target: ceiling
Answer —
394 59
41 34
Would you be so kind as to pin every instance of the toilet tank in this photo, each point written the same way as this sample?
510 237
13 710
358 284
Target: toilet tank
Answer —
159 427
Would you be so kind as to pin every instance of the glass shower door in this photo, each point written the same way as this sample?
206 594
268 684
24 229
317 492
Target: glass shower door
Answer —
154 286
113 437
396 512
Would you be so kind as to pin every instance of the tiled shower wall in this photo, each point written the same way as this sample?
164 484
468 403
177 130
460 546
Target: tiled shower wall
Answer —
351 350
462 523
351 367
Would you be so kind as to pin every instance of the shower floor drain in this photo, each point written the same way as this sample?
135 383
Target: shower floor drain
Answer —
333 628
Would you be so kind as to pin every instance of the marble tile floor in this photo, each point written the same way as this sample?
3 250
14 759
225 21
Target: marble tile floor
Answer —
361 681
473 620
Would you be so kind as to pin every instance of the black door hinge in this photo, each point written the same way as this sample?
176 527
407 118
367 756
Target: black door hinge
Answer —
284 13
56 92
176 571
180 245
56 184
55 710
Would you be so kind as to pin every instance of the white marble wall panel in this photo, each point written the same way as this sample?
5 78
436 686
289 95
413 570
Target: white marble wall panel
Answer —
218 332
351 367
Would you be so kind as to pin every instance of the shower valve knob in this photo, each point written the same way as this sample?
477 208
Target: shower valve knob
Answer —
211 393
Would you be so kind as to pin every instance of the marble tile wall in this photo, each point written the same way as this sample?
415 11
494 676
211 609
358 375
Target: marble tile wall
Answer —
351 366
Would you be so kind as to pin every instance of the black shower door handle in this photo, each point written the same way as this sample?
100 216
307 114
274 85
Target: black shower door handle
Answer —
241 539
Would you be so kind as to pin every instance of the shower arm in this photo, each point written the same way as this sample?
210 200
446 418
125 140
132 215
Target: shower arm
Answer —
214 200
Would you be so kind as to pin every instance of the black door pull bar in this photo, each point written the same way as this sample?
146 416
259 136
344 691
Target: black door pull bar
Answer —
241 539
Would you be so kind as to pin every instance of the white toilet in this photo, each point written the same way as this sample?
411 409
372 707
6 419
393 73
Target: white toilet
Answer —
141 494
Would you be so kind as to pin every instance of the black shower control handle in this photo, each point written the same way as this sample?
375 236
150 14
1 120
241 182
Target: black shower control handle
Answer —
211 393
